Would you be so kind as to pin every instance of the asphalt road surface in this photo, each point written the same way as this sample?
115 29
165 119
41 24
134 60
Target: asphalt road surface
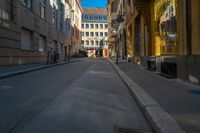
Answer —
81 97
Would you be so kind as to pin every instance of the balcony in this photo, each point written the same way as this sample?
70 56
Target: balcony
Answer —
141 5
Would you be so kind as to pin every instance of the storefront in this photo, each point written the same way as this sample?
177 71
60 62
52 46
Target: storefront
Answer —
164 37
165 27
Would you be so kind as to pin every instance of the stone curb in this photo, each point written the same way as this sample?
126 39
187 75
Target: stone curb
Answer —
16 73
158 118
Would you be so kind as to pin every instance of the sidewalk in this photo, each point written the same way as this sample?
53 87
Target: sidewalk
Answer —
174 96
10 71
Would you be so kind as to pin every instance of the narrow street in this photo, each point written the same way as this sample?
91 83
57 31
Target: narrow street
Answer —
82 97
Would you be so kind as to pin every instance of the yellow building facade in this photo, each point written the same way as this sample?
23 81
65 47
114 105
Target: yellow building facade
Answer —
165 36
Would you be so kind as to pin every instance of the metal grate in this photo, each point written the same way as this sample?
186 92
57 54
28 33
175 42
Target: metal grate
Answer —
167 76
130 130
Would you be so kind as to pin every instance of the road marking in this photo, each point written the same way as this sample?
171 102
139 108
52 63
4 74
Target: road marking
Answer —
4 87
100 72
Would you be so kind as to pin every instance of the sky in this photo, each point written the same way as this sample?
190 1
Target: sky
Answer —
94 3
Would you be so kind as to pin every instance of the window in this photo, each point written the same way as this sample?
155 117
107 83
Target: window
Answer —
67 26
100 17
106 26
91 18
27 3
82 33
97 43
95 17
101 34
114 6
42 44
96 26
54 21
26 40
87 34
96 34
92 43
91 34
87 26
42 8
87 43
101 26
129 2
61 47
92 26
105 18
82 25
82 42
106 33
61 16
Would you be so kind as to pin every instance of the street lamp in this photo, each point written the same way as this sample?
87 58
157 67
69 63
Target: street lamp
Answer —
115 35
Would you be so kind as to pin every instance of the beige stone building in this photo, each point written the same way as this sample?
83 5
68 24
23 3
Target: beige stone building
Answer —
31 28
76 13
95 31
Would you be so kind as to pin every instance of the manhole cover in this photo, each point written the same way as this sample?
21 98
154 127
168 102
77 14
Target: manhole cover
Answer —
130 130
197 92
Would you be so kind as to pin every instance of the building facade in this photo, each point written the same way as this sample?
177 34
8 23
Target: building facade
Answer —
162 35
95 31
30 30
112 26
76 14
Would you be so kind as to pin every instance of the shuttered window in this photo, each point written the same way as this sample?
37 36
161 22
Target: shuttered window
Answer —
42 44
26 40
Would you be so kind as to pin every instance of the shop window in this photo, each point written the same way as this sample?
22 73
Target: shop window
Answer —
165 27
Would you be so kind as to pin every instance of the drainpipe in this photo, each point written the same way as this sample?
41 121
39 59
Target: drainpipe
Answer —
188 27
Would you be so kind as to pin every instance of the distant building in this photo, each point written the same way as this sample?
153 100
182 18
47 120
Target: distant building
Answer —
95 31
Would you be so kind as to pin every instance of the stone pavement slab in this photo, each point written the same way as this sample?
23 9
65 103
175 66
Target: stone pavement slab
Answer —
160 120
173 95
